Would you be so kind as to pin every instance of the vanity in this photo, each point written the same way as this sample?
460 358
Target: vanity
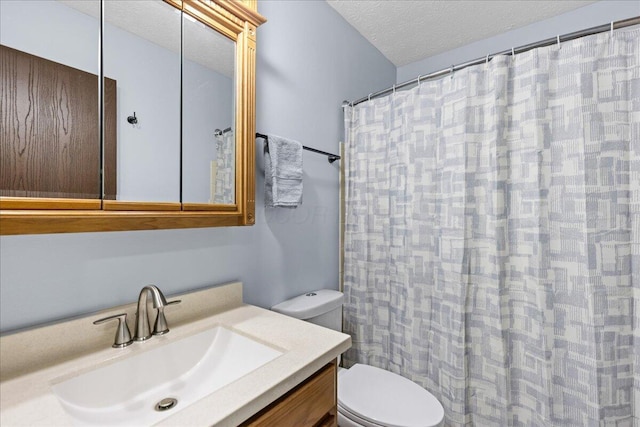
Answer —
260 369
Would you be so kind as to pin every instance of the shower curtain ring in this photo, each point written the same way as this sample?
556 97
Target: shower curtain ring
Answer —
513 51
487 60
611 28
558 39
369 97
419 77
394 89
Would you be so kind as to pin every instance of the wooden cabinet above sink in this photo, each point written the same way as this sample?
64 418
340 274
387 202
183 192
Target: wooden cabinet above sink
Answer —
86 194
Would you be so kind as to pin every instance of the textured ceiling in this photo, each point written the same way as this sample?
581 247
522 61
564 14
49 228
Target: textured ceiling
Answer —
159 23
406 31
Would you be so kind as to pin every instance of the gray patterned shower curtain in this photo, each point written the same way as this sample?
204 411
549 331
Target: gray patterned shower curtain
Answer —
225 175
492 236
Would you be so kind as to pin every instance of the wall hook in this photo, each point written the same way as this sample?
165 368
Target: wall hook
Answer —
133 119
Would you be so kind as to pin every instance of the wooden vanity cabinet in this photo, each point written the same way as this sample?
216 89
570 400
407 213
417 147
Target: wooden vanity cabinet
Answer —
312 403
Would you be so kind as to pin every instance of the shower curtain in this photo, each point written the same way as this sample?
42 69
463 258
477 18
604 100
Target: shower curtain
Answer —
225 182
492 236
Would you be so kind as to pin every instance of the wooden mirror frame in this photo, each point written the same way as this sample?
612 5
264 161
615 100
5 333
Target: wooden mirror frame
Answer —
236 19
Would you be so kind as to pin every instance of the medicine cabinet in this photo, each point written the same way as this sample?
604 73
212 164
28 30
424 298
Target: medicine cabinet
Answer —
166 141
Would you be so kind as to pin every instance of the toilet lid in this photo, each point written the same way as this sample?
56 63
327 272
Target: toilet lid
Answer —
385 398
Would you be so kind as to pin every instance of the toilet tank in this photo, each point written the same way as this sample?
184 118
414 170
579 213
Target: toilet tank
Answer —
323 307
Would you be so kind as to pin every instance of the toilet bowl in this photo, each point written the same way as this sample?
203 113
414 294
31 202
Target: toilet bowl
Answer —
367 396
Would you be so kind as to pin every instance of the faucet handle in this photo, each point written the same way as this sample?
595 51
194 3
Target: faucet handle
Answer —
161 327
123 335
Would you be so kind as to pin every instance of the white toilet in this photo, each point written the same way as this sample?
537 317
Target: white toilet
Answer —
367 396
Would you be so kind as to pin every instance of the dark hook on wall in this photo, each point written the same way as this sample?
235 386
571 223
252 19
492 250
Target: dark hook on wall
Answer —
133 119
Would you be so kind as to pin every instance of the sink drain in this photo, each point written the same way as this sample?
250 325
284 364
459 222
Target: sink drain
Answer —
166 404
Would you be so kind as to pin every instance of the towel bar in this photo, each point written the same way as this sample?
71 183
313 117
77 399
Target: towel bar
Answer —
330 157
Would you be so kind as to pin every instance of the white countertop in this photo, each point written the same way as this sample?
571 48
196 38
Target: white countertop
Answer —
27 399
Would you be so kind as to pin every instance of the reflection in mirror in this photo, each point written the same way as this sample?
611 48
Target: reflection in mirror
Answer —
208 120
142 54
50 142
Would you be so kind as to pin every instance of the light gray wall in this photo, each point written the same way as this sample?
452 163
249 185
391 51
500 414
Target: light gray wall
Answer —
592 15
309 60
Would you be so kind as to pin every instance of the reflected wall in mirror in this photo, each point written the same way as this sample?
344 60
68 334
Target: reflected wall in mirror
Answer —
50 141
208 115
142 53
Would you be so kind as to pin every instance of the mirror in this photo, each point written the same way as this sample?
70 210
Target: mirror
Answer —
208 119
142 55
50 134
144 154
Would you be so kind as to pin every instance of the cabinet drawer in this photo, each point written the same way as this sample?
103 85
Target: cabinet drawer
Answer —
312 403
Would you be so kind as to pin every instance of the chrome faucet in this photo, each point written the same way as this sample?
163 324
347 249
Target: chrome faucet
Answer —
143 329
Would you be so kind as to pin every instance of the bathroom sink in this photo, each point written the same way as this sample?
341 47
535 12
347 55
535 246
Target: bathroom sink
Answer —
145 388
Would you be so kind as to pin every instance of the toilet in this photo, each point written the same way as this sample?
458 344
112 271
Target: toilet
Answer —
367 396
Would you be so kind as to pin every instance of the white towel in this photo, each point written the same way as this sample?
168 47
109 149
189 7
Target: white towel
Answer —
283 172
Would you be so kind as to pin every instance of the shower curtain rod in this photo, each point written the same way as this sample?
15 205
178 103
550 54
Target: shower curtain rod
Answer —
571 36
330 157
